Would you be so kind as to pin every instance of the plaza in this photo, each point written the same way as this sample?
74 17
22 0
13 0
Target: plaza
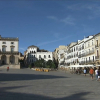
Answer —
26 84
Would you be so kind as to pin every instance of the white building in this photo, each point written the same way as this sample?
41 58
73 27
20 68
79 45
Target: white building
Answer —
82 52
61 55
33 53
9 50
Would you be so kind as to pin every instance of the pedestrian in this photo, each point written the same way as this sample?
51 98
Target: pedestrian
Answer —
91 73
96 74
99 74
8 68
84 71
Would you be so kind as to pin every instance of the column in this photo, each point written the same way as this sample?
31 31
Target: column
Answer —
7 59
16 59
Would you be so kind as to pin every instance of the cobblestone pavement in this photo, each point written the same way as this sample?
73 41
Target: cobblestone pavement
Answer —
26 84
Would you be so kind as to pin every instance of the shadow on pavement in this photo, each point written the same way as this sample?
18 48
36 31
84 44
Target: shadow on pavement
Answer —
5 95
16 77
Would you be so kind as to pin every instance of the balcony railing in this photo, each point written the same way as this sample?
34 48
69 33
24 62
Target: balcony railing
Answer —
79 56
82 47
90 52
89 61
68 57
9 52
79 49
85 54
86 62
96 46
96 57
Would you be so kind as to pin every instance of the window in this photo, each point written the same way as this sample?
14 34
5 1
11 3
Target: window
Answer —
92 42
89 58
97 53
88 44
97 42
44 56
49 56
3 49
12 42
39 56
93 49
93 58
12 49
74 48
82 46
89 50
86 60
3 42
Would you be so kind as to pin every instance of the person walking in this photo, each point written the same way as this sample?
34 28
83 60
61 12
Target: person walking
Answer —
8 68
91 73
96 74
84 71
99 74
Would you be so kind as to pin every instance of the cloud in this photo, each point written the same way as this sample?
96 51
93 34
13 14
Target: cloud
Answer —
81 6
48 42
68 20
92 8
52 17
22 49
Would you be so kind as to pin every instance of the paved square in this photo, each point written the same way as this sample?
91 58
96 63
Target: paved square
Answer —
26 84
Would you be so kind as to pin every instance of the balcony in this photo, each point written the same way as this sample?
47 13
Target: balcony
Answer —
96 57
79 49
82 62
82 47
68 57
96 46
87 62
82 55
62 59
9 52
90 52
79 56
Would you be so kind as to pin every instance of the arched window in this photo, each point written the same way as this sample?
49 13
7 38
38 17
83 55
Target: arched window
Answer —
44 56
97 53
3 59
49 56
3 48
12 59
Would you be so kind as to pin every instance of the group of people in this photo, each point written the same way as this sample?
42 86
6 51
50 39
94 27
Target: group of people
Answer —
92 71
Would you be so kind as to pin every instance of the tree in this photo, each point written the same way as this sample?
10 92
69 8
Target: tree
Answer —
50 64
40 63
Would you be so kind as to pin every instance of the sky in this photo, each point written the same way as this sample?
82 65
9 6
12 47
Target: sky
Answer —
49 23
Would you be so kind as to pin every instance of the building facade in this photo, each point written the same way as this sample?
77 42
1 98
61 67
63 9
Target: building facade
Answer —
82 52
59 55
33 53
9 50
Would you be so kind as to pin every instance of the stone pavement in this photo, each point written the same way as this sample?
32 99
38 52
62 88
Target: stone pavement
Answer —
26 84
